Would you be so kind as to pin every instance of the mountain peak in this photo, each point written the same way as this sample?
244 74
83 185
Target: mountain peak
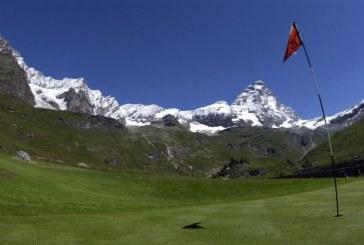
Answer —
258 103
258 85
254 93
259 82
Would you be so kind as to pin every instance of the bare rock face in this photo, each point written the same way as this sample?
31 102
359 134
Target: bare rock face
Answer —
92 122
13 79
354 115
214 119
22 155
166 121
76 102
234 170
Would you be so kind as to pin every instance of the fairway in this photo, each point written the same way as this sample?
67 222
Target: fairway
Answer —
54 204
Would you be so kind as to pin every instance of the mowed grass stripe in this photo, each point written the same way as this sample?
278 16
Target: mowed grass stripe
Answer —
268 220
70 190
52 204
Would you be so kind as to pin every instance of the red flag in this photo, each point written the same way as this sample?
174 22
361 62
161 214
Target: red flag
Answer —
294 42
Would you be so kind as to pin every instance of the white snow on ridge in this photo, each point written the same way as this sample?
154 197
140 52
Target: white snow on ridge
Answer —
137 114
45 88
319 121
219 107
246 116
196 127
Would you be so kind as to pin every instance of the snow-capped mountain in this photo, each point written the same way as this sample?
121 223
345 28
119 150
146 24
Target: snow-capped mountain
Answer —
258 105
339 120
51 93
255 106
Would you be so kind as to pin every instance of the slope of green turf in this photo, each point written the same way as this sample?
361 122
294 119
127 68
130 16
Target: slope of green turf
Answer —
56 204
348 144
56 136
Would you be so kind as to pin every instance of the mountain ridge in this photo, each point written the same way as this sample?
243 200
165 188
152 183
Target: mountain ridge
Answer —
255 106
164 145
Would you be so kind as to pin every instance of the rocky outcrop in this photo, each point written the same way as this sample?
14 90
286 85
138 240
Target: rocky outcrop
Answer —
166 121
83 165
76 102
352 116
22 155
13 79
214 120
92 122
234 170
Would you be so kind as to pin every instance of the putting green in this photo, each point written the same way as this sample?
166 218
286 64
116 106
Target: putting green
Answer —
53 204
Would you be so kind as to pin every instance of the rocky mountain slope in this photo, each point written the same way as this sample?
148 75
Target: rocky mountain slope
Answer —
13 78
165 147
338 121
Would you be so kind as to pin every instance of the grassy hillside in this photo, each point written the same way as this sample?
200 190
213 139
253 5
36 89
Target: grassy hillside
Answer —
69 138
347 144
56 204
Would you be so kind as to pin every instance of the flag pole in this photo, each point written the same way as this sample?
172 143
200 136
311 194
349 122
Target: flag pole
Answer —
326 127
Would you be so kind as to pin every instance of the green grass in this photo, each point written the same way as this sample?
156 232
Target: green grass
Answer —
52 136
347 145
55 204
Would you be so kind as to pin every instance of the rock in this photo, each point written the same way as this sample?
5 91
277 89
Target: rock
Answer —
214 120
51 102
22 155
347 119
235 169
13 79
166 121
77 102
85 121
82 165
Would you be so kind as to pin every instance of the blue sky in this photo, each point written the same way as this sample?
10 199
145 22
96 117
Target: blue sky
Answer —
191 53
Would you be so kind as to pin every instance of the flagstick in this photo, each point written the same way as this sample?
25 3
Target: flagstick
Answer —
326 127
